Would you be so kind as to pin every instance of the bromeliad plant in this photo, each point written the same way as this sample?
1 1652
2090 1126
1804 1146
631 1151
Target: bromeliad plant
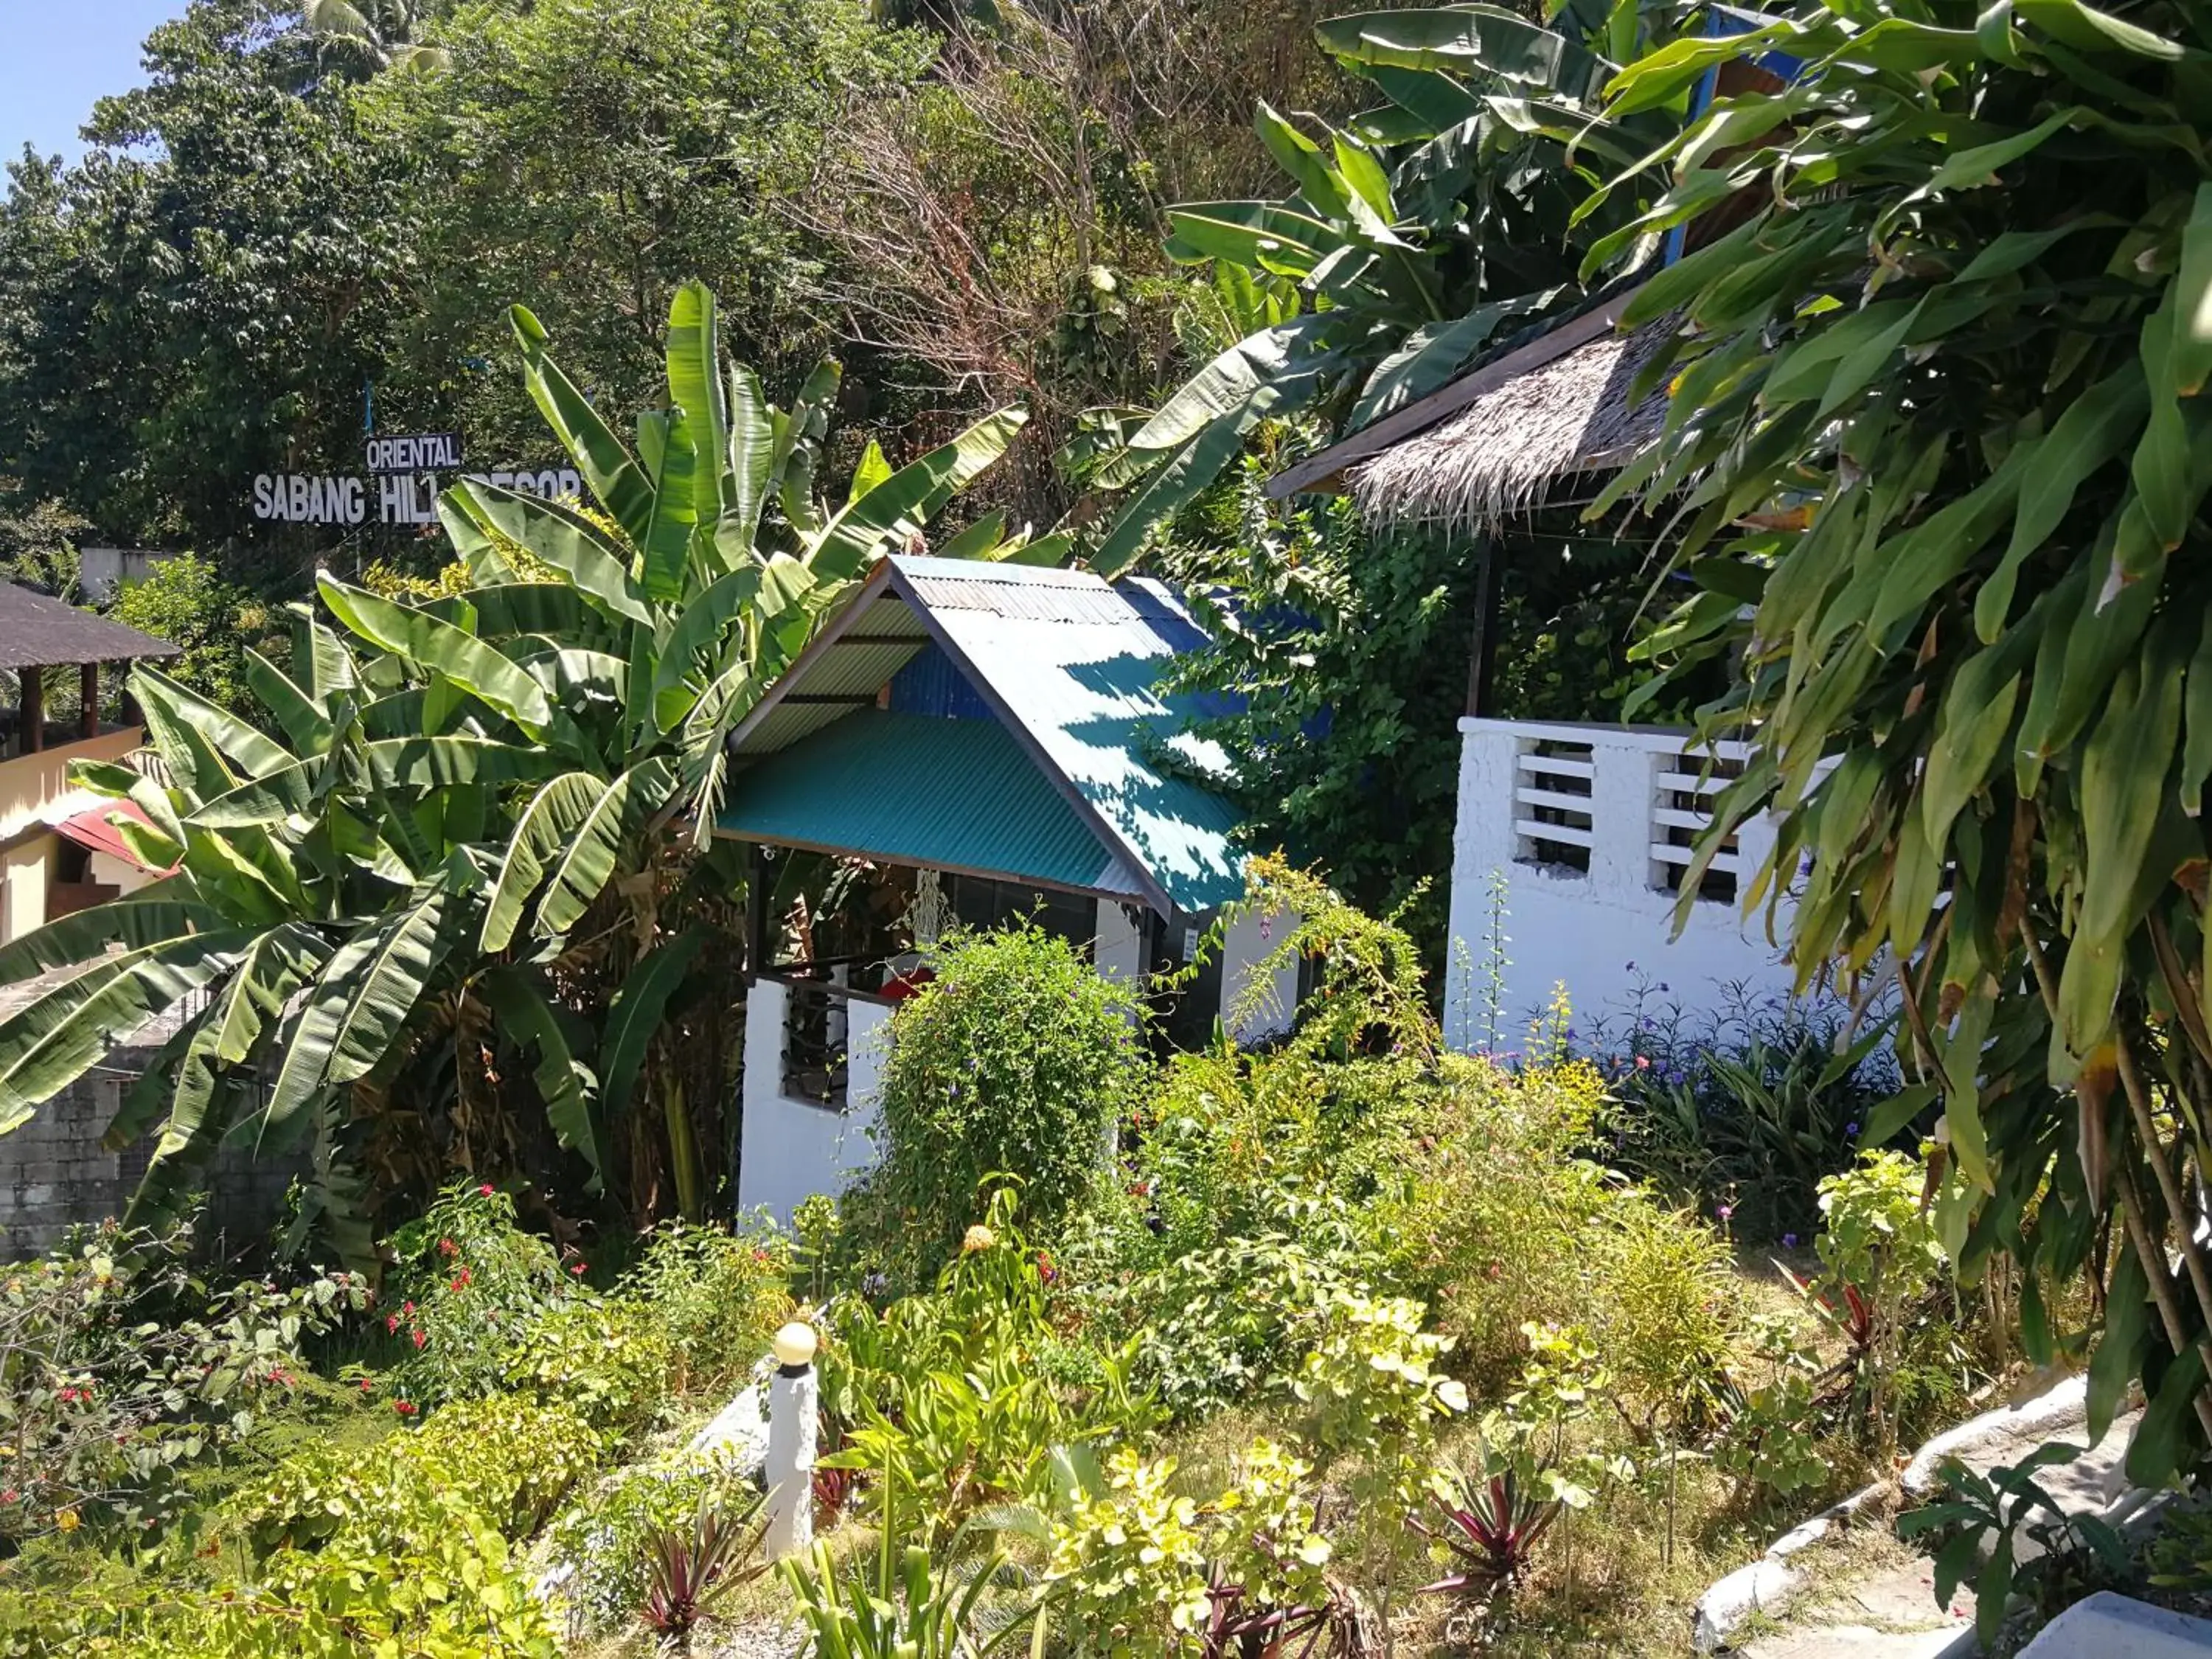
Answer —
481 823
690 1568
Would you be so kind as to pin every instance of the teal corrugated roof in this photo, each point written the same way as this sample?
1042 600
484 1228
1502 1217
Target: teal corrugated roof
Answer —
1071 662
949 794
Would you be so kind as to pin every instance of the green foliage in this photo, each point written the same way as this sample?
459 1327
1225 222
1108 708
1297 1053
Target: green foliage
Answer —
1017 1061
471 1287
186 601
1770 1439
119 1370
374 913
1746 1107
1140 1569
1372 1380
715 1295
608 1536
949 1395
1981 1520
1968 576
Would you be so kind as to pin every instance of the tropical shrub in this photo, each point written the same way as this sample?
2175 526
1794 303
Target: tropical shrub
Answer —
469 1286
949 1396
1744 1106
607 1535
1934 448
716 1296
1140 1569
118 1368
1017 1059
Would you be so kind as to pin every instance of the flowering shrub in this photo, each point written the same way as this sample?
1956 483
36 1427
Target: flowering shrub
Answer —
470 1286
101 1403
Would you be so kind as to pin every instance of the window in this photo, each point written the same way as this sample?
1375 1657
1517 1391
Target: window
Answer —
1552 804
814 1043
1681 810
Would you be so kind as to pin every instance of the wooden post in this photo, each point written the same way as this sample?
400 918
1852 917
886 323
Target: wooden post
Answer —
127 709
1482 659
33 711
87 678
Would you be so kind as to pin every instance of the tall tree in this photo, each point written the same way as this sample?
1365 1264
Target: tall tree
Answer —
205 295
1939 436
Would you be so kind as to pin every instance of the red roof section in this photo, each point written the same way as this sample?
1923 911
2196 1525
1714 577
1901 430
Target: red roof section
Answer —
93 829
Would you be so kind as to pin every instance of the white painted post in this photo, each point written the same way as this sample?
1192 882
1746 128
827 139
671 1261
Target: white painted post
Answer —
794 1414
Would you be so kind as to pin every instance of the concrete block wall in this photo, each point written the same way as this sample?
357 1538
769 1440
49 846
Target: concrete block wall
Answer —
1586 828
55 1173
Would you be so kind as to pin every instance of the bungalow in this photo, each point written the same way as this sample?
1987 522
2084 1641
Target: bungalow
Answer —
968 742
58 851
1584 832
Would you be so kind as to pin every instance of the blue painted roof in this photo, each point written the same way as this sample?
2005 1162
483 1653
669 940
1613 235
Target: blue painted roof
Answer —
1069 664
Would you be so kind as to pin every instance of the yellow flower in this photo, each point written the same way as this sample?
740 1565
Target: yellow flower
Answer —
67 1520
979 1237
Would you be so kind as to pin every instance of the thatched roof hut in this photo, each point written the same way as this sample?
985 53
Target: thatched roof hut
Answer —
1507 450
1497 440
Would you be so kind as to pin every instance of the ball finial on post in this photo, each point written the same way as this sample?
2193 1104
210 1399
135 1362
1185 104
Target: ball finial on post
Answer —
793 1414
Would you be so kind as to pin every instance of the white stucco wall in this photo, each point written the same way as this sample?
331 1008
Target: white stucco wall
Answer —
1247 940
793 1149
1600 932
1118 949
25 869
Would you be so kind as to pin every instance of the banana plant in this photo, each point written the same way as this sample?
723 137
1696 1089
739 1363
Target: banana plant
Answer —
1430 227
475 851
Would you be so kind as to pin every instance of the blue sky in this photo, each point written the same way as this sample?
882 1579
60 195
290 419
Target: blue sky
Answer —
57 56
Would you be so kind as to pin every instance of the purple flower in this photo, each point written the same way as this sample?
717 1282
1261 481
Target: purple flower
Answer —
1851 1128
1724 1210
1788 1241
1662 984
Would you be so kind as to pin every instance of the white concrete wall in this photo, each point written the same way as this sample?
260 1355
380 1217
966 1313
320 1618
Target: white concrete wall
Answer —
1118 949
25 869
793 1149
1247 940
1584 930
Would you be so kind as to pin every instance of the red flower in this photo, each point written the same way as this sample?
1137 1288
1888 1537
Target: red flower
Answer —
405 1408
1046 1271
484 1191
461 1281
420 1338
365 1385
391 1324
407 1308
577 1268
447 1247
9 1495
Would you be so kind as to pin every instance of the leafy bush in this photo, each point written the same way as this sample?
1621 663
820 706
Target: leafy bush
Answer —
611 1358
471 1286
946 1395
504 1458
607 1535
1016 1060
1142 1570
1743 1111
105 1392
716 1295
1667 1310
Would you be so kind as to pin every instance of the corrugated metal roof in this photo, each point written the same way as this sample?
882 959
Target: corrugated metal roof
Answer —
37 632
946 794
1073 663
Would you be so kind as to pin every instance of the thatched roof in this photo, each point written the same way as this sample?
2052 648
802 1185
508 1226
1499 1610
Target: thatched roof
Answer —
37 632
1504 452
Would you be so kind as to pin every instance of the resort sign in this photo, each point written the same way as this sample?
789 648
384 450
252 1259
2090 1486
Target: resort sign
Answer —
402 486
